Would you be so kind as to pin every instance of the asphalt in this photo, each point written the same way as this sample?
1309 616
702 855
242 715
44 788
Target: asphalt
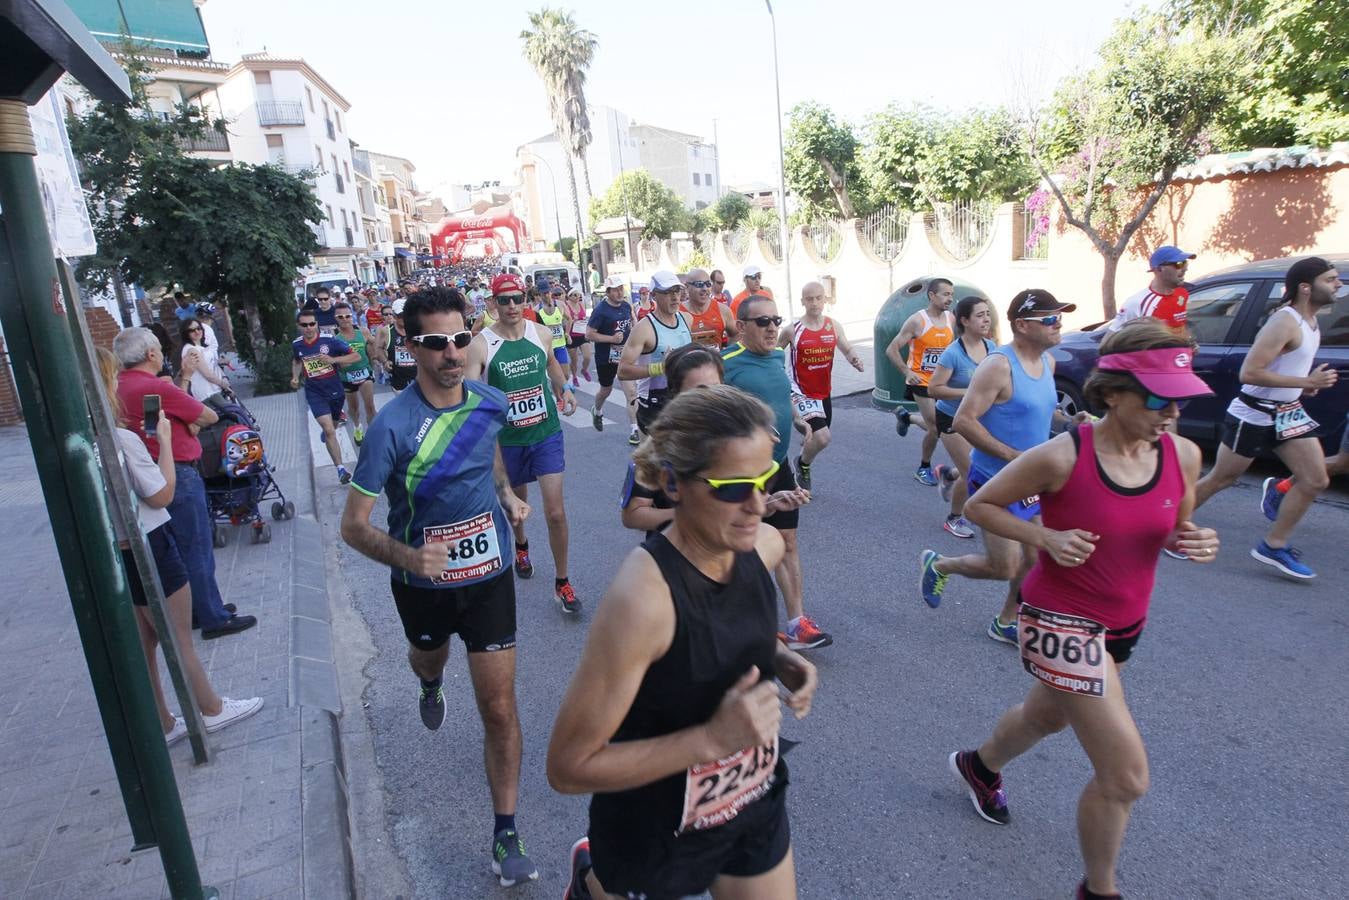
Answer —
1237 686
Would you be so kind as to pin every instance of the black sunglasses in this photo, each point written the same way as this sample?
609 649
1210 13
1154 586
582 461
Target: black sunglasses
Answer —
764 321
438 342
511 299
309 324
700 284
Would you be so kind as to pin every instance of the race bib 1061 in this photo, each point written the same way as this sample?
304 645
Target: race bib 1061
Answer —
1065 652
527 407
474 550
715 792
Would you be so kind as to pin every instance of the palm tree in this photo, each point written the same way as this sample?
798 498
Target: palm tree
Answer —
560 53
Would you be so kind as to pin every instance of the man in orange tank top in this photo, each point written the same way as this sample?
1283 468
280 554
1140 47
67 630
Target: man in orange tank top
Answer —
712 323
925 334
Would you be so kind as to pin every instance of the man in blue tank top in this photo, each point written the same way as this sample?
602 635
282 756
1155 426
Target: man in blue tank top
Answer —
652 338
1010 406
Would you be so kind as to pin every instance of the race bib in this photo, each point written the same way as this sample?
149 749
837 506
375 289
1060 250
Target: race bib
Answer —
361 374
528 406
318 366
1065 652
402 357
558 333
808 407
930 357
1029 502
327 331
715 792
578 329
474 550
1291 420
615 353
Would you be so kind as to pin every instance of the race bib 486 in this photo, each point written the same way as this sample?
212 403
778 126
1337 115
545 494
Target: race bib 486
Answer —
474 550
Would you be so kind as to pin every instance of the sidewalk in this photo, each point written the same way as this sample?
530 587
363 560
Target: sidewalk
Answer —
267 815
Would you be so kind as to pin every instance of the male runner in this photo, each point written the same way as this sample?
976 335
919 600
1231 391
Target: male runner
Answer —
811 341
515 356
653 337
711 323
608 329
432 451
1268 414
357 378
322 308
1010 406
757 366
754 286
316 359
395 351
1165 297
927 333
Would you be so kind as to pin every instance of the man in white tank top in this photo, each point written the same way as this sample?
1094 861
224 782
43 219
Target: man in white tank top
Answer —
1268 414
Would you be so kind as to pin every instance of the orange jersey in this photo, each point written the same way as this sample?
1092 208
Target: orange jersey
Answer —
925 349
708 327
738 298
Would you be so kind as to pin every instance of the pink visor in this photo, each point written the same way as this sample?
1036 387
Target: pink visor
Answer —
1166 372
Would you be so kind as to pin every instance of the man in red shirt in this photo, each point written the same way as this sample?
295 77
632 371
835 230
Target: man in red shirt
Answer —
1165 297
138 350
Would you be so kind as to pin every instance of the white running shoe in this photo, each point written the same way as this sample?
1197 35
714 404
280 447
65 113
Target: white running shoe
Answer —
231 711
177 733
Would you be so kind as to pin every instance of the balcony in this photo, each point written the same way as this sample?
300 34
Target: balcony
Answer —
209 141
361 164
304 173
280 112
341 184
332 132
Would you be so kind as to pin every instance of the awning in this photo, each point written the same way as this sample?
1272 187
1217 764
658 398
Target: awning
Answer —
403 252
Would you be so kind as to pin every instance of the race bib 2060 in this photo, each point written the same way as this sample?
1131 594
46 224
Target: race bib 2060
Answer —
1065 652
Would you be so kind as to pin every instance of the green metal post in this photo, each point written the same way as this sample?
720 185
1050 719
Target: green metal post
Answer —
48 381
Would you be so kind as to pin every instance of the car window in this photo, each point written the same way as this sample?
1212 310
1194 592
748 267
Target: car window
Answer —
1212 308
1333 320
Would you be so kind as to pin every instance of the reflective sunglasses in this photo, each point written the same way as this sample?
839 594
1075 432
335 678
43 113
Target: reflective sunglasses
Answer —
1176 265
738 490
438 342
700 284
765 321
1043 320
511 299
1157 404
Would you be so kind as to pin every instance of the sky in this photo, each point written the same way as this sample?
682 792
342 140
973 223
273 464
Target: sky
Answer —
448 87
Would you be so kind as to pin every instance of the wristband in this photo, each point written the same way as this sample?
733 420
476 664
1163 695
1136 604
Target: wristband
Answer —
655 369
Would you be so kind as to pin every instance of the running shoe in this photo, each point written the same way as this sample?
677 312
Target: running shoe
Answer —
634 437
575 382
523 567
177 732
342 418
958 526
901 421
1270 498
597 418
931 582
586 374
1082 893
807 635
1285 559
1004 633
990 801
231 711
802 474
566 595
577 889
431 703
359 435
946 480
509 862
343 476
924 475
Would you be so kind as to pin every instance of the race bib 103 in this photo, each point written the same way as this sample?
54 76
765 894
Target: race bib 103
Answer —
715 792
474 550
1065 652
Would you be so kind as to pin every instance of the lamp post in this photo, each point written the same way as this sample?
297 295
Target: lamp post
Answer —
557 215
782 169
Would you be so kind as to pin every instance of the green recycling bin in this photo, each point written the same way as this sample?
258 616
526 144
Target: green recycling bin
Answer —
889 391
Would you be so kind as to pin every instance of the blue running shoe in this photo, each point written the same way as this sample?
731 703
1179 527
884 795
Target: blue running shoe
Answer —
1270 498
1285 559
902 421
509 862
924 475
932 582
1000 632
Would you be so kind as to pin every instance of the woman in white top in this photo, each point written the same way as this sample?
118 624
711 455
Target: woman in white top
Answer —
199 371
153 484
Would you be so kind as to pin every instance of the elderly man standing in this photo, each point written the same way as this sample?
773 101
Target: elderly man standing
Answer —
138 351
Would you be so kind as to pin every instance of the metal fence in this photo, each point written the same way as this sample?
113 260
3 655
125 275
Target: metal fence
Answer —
737 244
886 230
650 253
1034 234
772 241
826 238
964 226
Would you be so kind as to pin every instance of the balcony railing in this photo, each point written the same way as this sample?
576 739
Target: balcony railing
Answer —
280 112
332 132
361 164
307 173
341 185
209 141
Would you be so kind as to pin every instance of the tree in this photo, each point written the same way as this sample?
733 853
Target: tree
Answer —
560 54
1124 129
635 193
894 141
728 212
975 156
821 164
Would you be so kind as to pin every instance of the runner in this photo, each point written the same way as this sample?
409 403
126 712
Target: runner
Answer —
357 378
322 308
955 366
1274 489
1165 297
758 367
516 358
652 717
608 329
578 347
754 287
642 307
927 333
488 316
652 338
1268 415
712 323
811 340
554 318
1009 407
396 352
432 451
1114 493
316 359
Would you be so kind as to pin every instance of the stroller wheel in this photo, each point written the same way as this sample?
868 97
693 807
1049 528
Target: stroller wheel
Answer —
217 536
254 535
278 511
265 534
290 510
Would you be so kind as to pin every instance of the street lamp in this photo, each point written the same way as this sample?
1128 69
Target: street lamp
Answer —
557 216
782 168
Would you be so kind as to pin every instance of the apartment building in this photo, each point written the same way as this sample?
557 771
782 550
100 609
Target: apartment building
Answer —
410 234
377 265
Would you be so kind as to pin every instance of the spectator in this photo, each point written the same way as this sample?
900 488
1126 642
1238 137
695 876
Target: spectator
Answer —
199 370
165 349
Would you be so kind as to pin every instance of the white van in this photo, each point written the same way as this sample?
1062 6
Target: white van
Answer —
333 281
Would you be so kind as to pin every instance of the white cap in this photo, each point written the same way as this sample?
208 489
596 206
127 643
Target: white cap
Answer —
614 281
398 306
753 272
664 281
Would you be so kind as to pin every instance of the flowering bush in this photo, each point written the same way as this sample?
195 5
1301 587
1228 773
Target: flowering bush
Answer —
1037 215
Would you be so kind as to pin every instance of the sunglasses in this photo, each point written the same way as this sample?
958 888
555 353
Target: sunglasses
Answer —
194 328
1176 265
1152 402
765 321
673 290
738 490
1043 320
438 342
344 317
309 324
700 284
511 300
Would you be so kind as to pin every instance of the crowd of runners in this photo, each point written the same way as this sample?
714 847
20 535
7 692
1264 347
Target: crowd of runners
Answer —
671 721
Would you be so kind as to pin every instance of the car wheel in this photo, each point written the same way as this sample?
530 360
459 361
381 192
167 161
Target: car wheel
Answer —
1070 397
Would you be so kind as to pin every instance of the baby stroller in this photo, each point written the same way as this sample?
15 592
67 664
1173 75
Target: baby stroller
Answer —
237 475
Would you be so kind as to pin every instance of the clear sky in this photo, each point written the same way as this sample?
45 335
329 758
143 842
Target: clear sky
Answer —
446 85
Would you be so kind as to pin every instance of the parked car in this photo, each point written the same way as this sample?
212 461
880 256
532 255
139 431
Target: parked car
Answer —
1226 310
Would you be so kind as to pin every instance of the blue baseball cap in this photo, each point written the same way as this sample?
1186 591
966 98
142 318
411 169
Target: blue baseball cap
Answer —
1166 255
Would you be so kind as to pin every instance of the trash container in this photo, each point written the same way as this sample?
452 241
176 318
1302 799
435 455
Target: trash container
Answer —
911 297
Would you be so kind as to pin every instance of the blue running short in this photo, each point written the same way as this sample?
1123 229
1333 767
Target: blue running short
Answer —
325 404
1022 509
526 464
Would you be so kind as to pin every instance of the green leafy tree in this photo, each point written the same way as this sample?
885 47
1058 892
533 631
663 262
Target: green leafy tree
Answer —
730 211
894 140
637 194
821 163
975 156
1113 139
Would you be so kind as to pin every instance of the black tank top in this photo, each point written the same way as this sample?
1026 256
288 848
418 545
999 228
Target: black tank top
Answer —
720 631
401 376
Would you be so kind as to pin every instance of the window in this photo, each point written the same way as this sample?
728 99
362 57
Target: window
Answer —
1212 310
273 141
707 179
309 95
330 213
346 169
333 157
337 117
1333 320
695 178
262 77
326 114
318 157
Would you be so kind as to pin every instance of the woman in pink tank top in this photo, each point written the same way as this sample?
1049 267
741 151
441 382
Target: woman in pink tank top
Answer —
1113 493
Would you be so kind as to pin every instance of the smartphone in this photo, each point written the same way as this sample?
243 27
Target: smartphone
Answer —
150 405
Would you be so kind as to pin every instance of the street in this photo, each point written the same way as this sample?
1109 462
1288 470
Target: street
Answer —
1237 687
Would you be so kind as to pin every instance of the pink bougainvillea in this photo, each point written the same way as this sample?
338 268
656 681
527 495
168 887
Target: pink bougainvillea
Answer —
1037 218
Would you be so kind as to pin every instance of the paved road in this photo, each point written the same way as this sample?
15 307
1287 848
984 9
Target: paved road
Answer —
1238 688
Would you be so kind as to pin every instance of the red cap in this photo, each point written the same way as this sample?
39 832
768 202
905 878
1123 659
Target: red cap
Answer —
506 283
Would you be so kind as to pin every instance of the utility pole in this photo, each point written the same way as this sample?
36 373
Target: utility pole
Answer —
782 171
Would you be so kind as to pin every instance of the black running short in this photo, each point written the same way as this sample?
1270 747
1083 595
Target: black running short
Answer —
914 391
576 340
945 423
605 371
352 387
785 480
815 423
658 865
1250 441
1120 642
648 410
482 614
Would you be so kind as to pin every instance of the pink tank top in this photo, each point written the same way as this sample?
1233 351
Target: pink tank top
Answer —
1114 585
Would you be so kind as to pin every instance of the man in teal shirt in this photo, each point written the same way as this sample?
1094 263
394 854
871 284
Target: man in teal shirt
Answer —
757 366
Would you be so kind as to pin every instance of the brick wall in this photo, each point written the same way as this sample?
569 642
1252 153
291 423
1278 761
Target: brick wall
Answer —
10 413
102 326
